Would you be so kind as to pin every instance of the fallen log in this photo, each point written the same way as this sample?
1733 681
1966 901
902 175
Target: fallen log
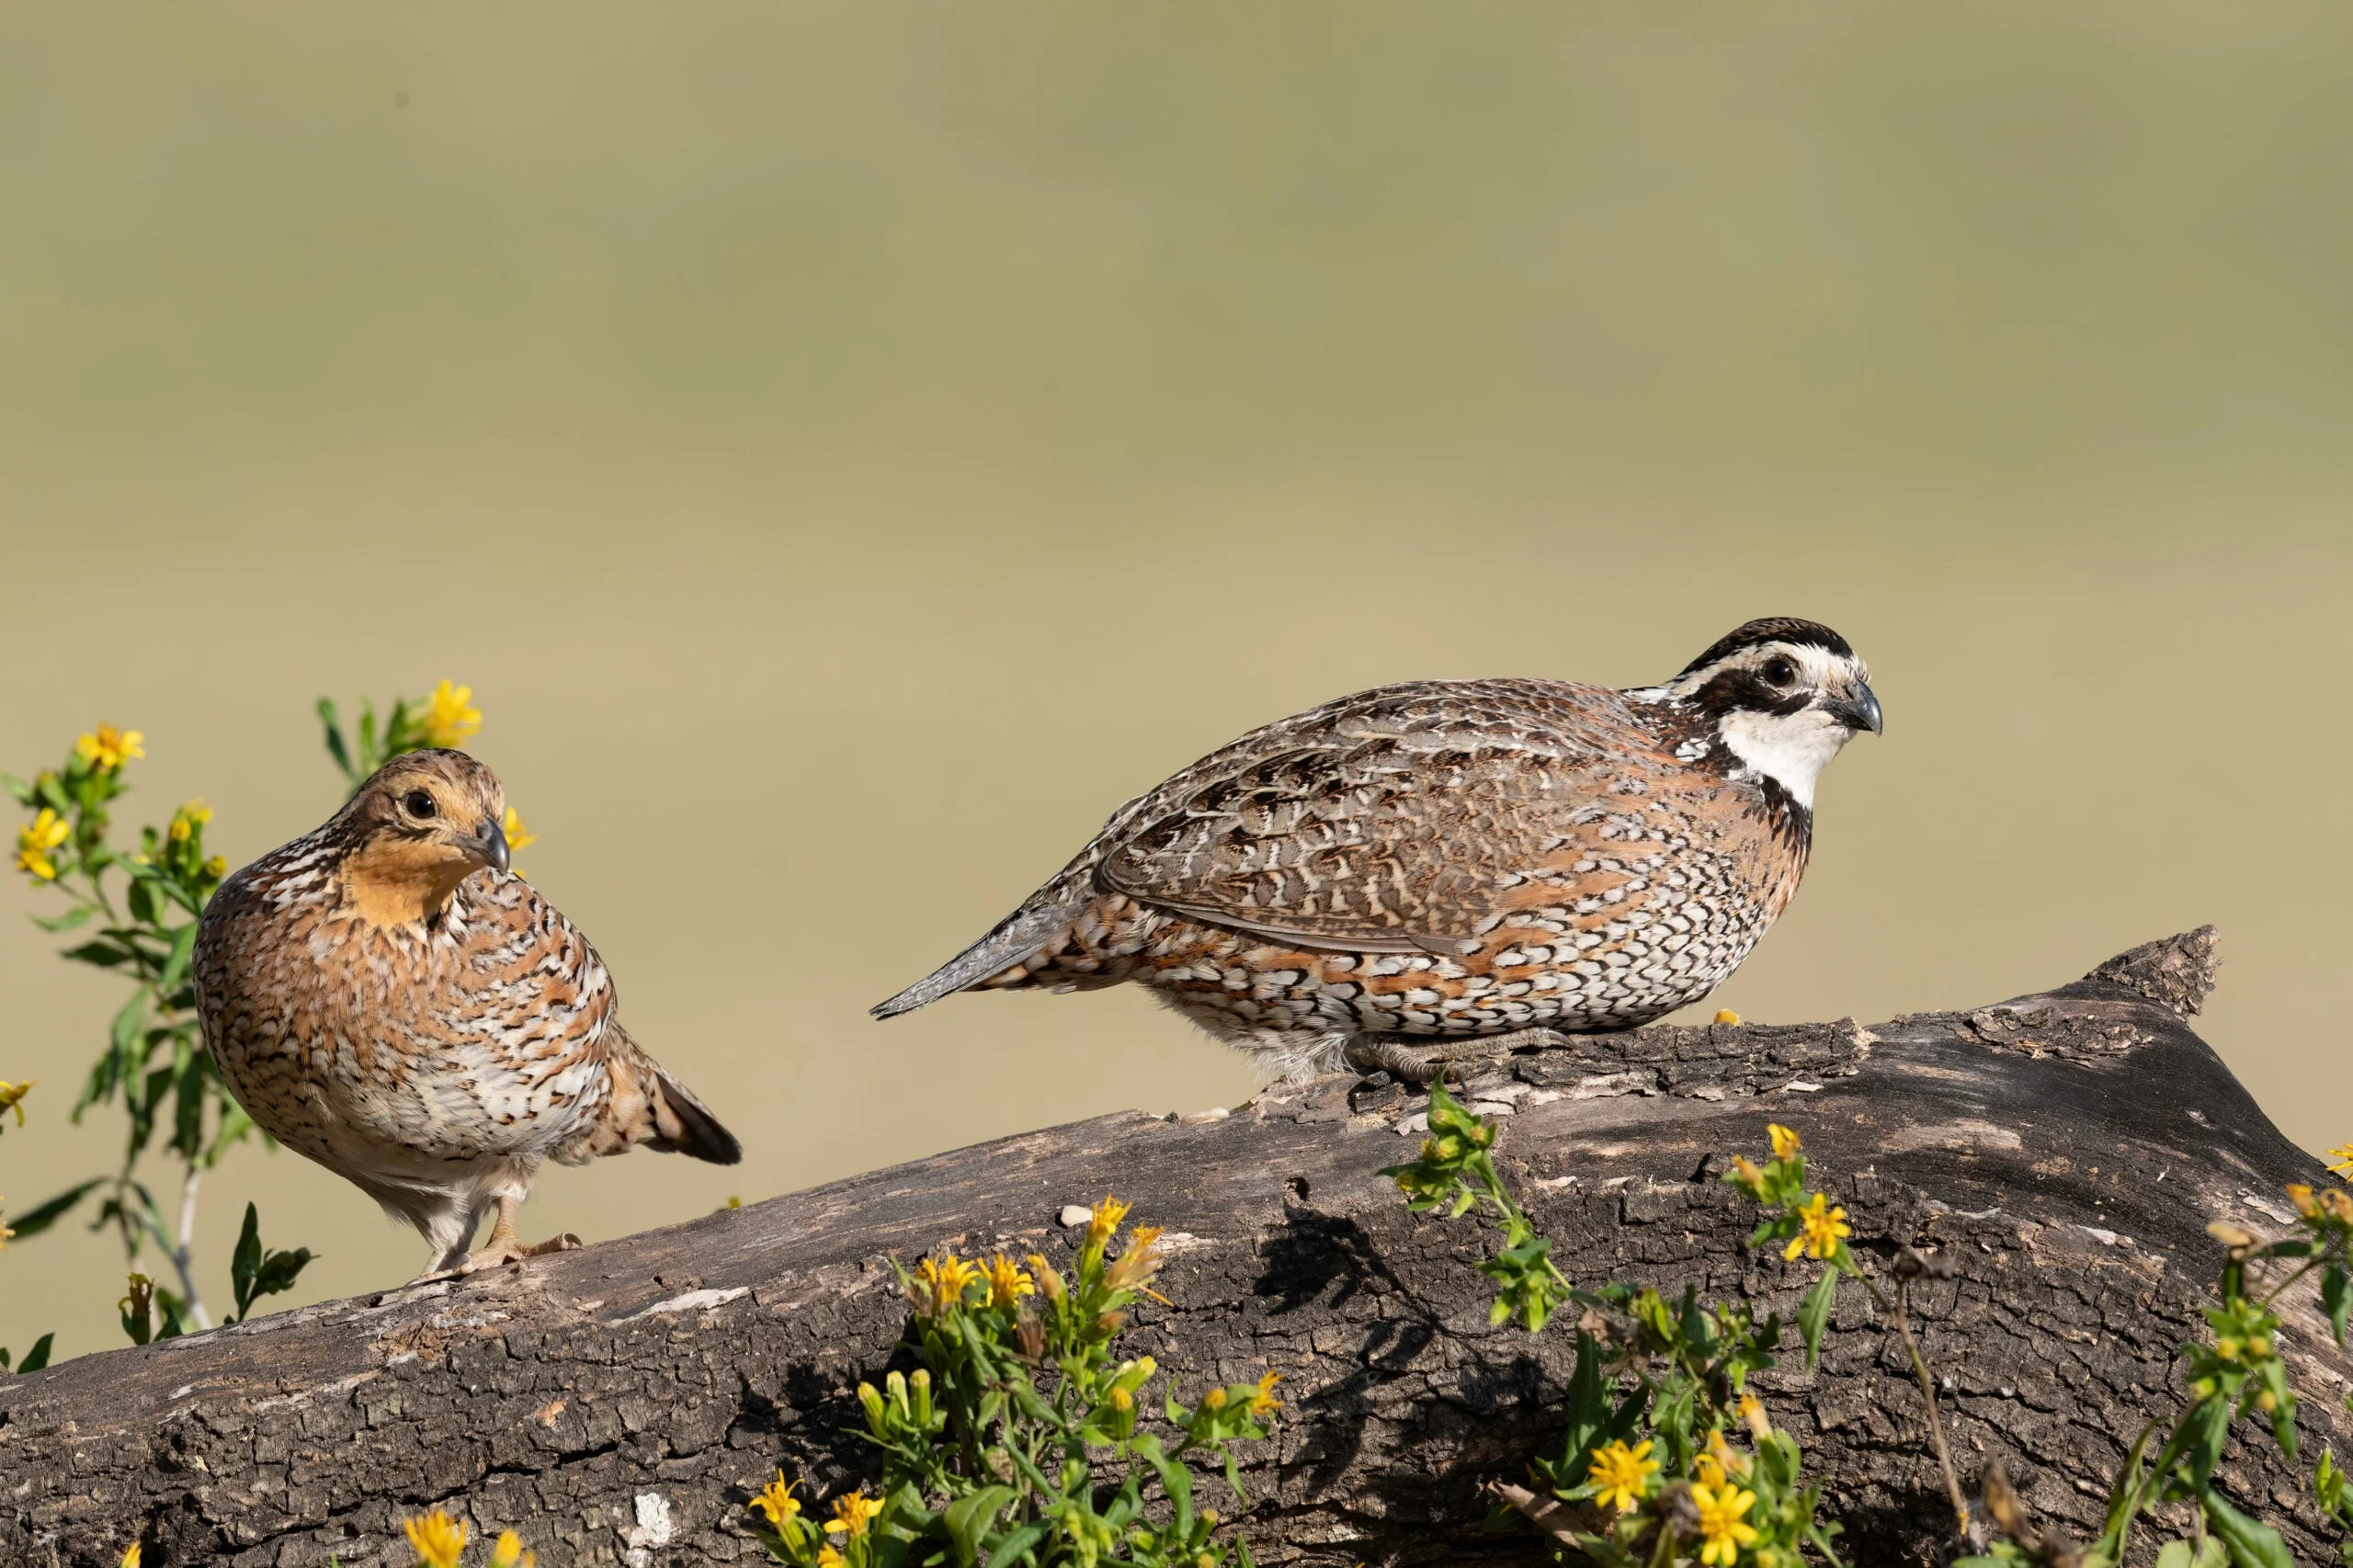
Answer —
2065 1151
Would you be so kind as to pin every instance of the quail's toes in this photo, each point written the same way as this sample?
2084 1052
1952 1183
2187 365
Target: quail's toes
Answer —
1417 1059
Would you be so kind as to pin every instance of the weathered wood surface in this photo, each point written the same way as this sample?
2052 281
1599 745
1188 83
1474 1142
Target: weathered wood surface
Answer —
615 1405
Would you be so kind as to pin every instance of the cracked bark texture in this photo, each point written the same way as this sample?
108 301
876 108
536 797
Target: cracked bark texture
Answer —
2065 1150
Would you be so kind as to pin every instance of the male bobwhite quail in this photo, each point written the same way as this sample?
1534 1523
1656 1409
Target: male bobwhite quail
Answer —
386 997
1479 861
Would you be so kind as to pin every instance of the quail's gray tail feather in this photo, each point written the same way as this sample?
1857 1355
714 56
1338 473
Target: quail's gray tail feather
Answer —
1016 938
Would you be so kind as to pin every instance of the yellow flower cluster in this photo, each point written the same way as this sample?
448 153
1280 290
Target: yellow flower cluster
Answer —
518 835
1006 1280
1722 1531
1264 1401
853 1514
776 1501
509 1552
450 715
1105 1220
36 840
1623 1474
1824 1228
1785 1142
12 1097
2336 1203
109 749
438 1539
938 1283
188 819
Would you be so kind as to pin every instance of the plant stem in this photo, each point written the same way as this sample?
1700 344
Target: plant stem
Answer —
1896 1310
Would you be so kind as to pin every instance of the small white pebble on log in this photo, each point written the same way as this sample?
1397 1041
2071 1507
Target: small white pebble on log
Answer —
1074 1215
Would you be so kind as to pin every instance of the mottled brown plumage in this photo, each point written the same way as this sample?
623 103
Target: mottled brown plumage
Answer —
1462 859
384 996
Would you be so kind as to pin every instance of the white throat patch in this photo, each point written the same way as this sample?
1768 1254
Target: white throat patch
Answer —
1792 750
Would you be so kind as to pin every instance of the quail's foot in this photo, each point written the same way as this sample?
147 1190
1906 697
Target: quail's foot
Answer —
1417 1059
506 1247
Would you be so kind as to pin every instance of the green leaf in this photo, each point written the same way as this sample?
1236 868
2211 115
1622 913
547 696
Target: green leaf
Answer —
17 786
245 1262
34 1358
1010 1549
969 1518
2208 1427
100 952
333 722
2173 1554
2253 1544
2337 1298
1815 1315
176 966
33 1222
79 915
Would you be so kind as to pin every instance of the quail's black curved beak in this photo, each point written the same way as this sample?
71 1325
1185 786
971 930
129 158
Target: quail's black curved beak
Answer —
491 845
1857 709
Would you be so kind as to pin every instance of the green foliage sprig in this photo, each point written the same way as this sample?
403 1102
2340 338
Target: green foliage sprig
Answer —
993 1448
1667 1451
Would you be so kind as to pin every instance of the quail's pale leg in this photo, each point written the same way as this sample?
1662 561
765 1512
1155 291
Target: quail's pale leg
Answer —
504 1246
1417 1059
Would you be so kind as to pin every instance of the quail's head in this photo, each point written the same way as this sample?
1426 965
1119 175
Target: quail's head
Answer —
422 824
1785 695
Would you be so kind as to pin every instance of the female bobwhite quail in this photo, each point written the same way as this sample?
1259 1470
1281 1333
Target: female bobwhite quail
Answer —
386 997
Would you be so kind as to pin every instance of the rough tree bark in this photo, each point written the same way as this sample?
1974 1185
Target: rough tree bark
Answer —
2065 1150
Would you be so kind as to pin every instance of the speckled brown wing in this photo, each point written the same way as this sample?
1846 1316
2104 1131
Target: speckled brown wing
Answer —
1395 820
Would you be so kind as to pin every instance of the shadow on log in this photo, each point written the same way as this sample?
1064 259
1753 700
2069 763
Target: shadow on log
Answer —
617 1405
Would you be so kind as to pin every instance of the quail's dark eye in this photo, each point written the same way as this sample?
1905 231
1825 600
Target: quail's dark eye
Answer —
1778 672
419 803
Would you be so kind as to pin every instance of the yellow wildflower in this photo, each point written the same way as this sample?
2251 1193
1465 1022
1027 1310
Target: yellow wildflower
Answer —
1137 1264
509 1552
2301 1197
1623 1474
1264 1401
1007 1282
1751 1411
1825 1227
216 867
1722 1534
188 819
2340 1160
1213 1400
942 1282
1726 1016
438 1539
35 839
130 1555
2339 1206
1729 1460
450 715
1750 1177
1105 1220
12 1097
518 835
1708 1469
108 749
853 1514
1049 1279
827 1557
1785 1142
1123 1399
776 1501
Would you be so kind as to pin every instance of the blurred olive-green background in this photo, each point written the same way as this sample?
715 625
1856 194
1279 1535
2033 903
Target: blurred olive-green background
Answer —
850 448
